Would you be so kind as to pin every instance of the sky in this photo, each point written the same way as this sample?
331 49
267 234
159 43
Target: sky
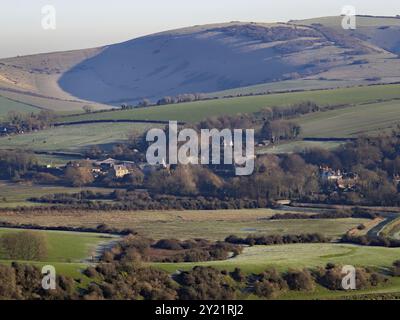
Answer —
90 23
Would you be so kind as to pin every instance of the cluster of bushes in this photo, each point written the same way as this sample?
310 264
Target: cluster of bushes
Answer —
365 240
253 240
129 281
181 98
16 164
335 214
208 283
101 228
270 121
279 130
24 282
136 249
138 200
331 277
198 250
30 121
24 245
270 283
294 46
188 97
71 198
268 34
205 283
396 268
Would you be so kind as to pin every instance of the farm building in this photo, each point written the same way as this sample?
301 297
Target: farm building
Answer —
119 171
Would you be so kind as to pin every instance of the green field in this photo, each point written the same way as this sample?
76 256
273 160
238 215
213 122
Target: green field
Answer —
349 122
365 115
282 257
352 121
66 246
289 85
195 111
220 229
55 159
14 194
74 138
7 105
298 146
68 251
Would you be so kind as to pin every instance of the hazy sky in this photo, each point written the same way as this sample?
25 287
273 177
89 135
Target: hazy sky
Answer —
90 23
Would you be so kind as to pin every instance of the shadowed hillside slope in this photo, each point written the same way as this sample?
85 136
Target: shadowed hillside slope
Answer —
212 58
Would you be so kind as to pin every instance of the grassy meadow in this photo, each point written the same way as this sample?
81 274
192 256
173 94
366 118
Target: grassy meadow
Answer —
298 256
352 121
74 138
195 111
7 105
16 194
213 225
65 246
68 252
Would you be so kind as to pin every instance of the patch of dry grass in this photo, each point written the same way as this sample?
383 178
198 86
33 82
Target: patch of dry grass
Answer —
213 225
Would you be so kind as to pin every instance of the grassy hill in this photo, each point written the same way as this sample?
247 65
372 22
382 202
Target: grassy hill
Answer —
380 31
218 59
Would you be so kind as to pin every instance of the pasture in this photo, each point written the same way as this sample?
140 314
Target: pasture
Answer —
68 252
352 121
298 256
213 225
196 111
298 146
66 247
75 138
7 105
290 85
16 194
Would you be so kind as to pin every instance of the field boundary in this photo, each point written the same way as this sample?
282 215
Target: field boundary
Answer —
74 123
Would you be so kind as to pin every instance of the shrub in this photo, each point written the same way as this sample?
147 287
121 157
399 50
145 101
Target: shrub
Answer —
205 283
168 244
7 283
300 280
269 284
24 245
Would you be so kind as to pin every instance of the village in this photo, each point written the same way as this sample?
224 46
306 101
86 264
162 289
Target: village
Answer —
118 170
